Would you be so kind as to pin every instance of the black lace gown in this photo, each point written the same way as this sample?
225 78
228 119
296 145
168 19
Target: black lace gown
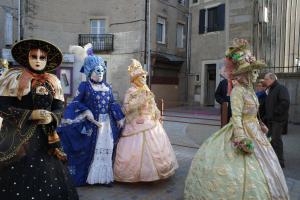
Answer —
36 175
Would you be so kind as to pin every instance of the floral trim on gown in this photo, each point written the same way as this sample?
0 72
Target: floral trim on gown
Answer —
218 171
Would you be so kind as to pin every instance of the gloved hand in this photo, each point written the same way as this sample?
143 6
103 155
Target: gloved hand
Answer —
47 120
89 115
120 123
42 116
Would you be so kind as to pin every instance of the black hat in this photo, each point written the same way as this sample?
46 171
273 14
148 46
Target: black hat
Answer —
20 52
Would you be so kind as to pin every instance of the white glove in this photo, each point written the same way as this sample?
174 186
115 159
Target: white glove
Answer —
89 115
120 123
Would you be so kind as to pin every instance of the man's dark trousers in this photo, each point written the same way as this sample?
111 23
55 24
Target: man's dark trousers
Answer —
275 132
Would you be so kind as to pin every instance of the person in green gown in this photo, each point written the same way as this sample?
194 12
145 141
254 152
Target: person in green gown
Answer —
238 161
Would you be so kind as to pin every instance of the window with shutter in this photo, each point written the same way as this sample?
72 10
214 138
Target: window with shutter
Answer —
212 19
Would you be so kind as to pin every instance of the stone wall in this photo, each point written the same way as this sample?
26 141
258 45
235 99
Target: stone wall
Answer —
292 82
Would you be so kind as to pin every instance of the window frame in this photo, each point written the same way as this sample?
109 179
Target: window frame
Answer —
218 19
181 2
8 29
182 36
98 26
163 22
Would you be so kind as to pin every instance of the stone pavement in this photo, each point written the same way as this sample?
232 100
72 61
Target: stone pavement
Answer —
187 129
170 189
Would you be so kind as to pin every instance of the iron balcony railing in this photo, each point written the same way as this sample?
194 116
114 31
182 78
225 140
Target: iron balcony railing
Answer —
100 42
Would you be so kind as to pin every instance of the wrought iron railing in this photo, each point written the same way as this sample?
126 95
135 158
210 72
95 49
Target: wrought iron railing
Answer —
100 42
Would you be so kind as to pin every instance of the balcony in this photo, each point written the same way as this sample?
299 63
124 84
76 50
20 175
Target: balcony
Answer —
100 42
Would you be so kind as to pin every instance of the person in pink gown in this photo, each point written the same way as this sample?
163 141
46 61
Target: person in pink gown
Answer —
144 152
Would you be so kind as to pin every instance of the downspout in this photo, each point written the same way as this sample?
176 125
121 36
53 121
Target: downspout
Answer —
19 20
188 55
149 43
146 31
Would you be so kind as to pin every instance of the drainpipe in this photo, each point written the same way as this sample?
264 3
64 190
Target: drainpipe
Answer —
19 20
149 43
146 32
188 54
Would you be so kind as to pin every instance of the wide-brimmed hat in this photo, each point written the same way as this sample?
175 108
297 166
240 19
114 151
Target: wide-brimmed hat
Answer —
135 69
241 58
20 52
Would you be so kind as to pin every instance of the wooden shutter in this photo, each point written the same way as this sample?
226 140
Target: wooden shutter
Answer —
202 21
221 17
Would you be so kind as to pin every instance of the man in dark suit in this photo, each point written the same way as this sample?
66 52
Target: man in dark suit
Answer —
223 99
277 112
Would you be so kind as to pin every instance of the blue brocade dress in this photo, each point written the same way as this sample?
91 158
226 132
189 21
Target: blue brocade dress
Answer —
89 148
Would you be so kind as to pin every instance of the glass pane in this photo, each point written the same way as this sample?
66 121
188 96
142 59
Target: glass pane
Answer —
159 33
212 19
179 36
97 26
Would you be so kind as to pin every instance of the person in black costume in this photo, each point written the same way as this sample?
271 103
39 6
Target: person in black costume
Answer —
222 97
31 104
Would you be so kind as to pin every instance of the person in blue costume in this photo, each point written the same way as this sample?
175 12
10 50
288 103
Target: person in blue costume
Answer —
261 96
91 126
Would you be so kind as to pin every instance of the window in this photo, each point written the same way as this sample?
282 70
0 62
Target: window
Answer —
97 26
179 36
181 2
195 1
8 32
212 19
161 30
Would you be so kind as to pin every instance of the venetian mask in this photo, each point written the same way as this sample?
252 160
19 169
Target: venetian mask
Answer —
140 81
98 74
37 59
254 75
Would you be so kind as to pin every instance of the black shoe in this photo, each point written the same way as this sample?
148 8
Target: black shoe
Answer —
108 185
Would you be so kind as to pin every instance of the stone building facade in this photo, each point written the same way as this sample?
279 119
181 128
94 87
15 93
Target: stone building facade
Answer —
118 31
271 27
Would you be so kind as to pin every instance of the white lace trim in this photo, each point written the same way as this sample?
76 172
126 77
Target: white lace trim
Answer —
101 168
99 87
79 118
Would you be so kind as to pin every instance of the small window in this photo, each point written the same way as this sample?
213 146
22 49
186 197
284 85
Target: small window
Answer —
181 2
97 26
161 30
195 1
8 31
197 78
180 36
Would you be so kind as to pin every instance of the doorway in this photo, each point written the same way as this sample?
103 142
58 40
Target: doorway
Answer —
210 77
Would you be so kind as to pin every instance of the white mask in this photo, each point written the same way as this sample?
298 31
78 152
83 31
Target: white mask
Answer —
37 59
98 74
254 75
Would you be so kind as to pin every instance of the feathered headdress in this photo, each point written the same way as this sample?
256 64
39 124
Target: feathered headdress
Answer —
135 69
239 60
87 57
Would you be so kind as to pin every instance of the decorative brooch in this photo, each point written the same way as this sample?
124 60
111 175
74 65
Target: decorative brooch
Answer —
41 90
